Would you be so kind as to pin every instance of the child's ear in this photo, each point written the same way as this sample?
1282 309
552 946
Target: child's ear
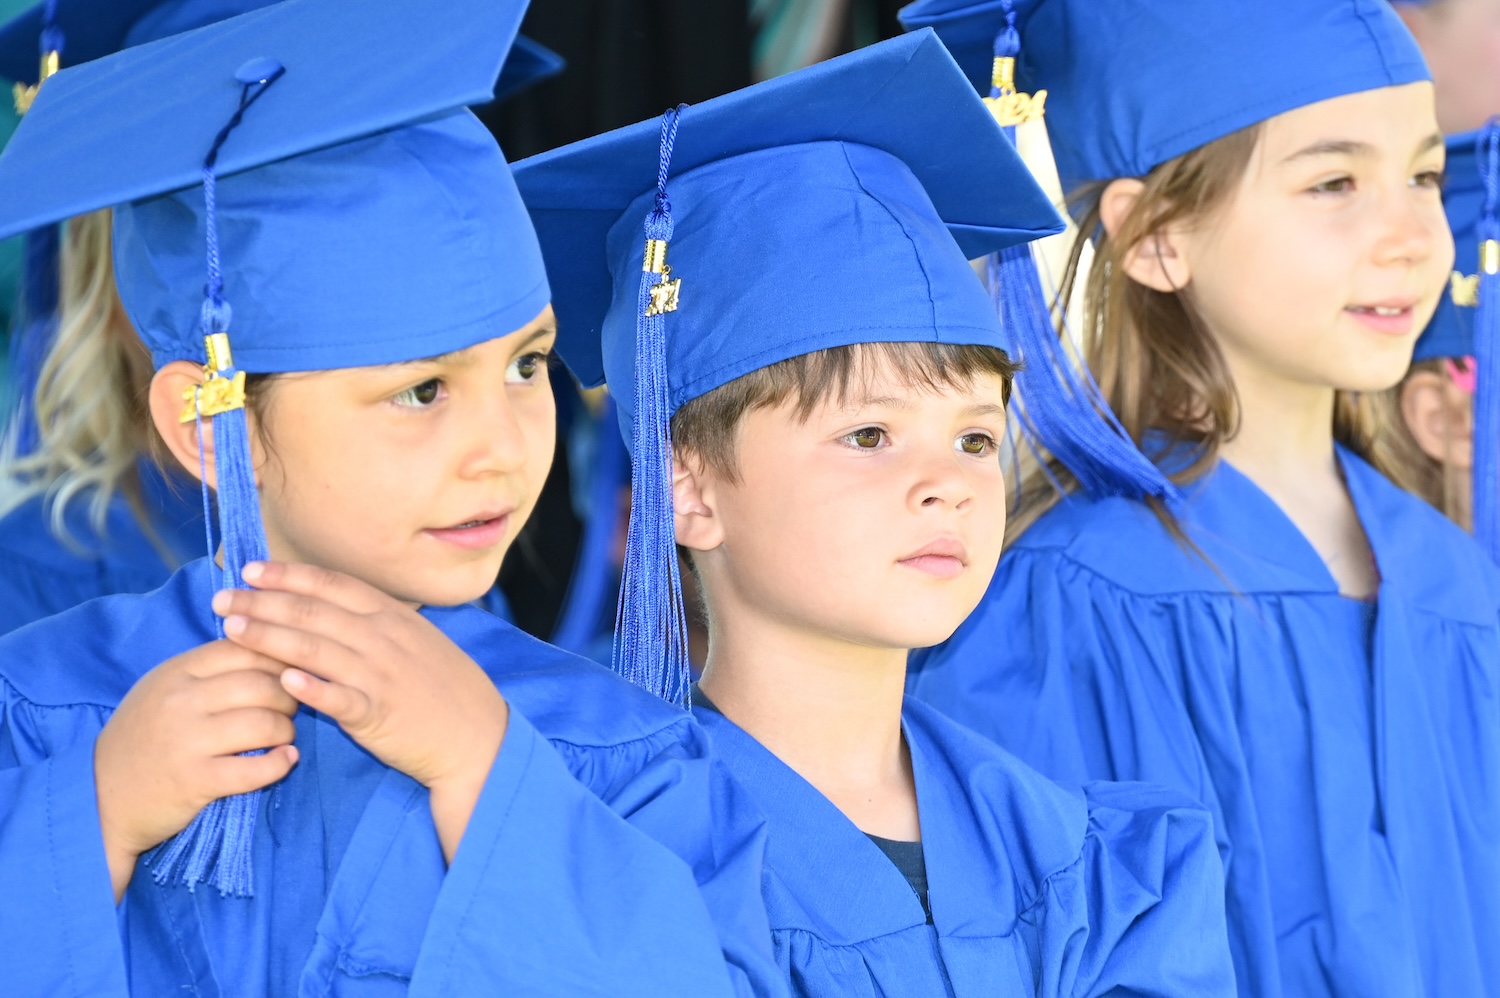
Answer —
697 522
1440 417
1158 261
166 400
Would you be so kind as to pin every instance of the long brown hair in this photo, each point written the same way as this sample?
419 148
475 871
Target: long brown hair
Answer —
1157 366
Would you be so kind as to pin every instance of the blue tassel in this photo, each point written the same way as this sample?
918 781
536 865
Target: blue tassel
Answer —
651 627
217 847
1487 351
1065 413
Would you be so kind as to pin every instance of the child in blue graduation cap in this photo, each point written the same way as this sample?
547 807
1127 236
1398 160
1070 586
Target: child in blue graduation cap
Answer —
775 283
311 787
85 508
1308 649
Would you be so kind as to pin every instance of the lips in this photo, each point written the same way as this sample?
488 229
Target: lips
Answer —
943 558
483 530
1395 317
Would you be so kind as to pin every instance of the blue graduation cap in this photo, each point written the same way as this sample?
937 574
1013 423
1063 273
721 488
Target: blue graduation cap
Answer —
1064 412
1132 84
832 206
1467 321
314 161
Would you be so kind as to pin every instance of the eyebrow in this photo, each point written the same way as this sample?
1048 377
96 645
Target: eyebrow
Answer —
1354 148
986 409
888 402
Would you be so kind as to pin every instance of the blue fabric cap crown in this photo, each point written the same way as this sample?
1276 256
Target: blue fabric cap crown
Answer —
1134 83
338 228
833 206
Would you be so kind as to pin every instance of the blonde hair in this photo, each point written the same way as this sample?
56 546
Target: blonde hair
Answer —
91 414
1156 365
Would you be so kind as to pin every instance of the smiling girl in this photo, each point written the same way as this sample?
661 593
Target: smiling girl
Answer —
312 786
1299 643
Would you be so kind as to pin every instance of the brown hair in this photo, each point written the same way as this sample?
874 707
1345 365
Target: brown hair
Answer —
1155 363
708 425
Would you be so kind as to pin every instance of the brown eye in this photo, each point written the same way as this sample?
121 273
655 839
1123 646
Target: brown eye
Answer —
977 444
866 438
420 396
526 367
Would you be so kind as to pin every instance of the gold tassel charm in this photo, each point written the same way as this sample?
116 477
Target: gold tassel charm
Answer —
1464 289
665 293
1012 108
217 393
24 95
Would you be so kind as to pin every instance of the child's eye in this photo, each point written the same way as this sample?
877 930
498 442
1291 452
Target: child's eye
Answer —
865 438
525 368
978 444
1431 178
1337 185
420 396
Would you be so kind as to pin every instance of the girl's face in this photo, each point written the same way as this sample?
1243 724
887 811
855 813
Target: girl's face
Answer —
1327 262
413 477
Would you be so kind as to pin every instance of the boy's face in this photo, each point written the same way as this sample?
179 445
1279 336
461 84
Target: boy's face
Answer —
412 477
878 521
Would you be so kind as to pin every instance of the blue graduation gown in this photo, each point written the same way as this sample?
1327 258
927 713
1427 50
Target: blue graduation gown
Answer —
1349 751
606 855
40 574
1035 889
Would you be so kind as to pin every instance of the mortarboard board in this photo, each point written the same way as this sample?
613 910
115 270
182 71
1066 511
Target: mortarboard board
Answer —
836 205
1468 317
1134 83
317 155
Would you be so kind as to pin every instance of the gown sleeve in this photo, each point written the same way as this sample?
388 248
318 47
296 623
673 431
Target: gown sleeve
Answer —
59 928
1150 882
557 889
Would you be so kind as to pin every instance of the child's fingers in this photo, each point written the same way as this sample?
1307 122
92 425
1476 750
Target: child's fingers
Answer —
240 774
219 657
246 729
246 688
308 580
345 704
303 613
319 654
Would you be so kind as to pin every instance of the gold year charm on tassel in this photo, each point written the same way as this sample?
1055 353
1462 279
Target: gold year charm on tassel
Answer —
665 292
217 393
1012 108
1464 289
24 95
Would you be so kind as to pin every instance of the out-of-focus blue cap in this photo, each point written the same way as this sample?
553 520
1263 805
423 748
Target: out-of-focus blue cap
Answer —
831 206
95 28
364 217
1132 84
1451 331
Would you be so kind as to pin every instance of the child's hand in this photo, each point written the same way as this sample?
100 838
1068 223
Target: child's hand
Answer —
173 744
391 679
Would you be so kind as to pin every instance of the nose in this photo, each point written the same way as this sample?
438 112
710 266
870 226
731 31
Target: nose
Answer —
496 437
1413 229
941 481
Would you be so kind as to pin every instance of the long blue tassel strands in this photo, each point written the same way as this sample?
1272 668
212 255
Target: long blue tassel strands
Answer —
651 628
41 254
1487 350
1064 410
217 847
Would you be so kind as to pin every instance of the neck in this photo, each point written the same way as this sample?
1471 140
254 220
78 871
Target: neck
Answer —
1285 429
827 707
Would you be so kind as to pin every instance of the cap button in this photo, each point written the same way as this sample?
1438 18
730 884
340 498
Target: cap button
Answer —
257 70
